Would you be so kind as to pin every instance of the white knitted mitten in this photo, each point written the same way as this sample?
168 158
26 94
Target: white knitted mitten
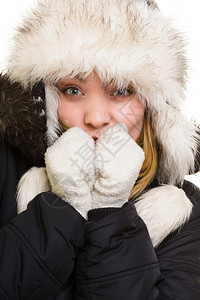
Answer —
118 160
70 168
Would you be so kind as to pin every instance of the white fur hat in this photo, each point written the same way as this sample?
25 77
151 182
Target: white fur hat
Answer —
124 40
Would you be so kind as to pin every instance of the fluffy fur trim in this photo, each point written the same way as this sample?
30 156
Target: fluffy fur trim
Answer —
32 183
125 41
163 209
53 126
178 140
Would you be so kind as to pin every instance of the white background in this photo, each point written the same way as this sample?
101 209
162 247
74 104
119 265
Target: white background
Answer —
184 13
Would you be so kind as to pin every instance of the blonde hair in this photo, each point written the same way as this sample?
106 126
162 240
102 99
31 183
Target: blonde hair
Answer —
147 141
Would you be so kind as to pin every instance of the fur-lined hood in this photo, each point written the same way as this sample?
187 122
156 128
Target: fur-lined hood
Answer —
128 41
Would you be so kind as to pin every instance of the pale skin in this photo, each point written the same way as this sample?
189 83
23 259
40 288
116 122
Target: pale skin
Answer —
95 107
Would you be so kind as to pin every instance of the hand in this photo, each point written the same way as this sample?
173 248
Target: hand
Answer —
118 160
70 168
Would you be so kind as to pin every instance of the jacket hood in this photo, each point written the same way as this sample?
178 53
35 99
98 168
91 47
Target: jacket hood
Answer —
125 41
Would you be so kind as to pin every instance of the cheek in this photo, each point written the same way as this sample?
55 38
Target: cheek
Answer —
132 114
68 115
63 112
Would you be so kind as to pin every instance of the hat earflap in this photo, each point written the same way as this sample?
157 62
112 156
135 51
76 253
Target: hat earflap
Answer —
177 142
54 128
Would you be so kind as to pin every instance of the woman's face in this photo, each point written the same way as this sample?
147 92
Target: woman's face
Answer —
95 107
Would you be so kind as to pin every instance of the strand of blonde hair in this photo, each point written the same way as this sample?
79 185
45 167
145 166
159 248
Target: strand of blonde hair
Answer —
148 170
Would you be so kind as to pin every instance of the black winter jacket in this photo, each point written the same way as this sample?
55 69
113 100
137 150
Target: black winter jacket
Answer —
51 252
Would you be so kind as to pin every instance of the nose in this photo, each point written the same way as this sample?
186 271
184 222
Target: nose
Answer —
97 113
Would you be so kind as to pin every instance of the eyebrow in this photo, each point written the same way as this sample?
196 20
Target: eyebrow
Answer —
79 77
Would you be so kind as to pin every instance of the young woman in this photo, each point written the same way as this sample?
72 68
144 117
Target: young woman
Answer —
94 151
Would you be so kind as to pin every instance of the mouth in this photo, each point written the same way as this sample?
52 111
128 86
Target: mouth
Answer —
95 138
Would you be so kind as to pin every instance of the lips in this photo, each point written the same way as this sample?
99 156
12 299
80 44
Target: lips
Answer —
95 138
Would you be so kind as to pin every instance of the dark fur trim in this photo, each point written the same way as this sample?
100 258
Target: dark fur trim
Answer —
197 158
22 121
152 3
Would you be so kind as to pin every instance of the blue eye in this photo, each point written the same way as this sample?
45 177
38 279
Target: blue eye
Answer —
122 92
72 91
